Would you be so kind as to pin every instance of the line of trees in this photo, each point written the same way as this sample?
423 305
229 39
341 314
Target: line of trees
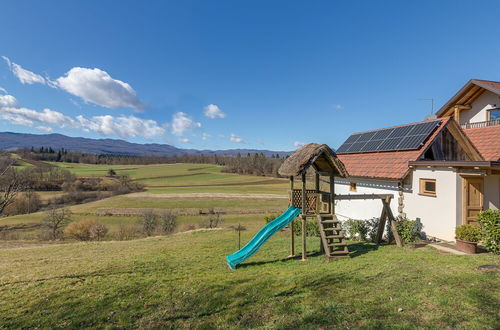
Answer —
251 164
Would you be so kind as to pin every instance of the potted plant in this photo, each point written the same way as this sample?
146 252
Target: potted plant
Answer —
467 237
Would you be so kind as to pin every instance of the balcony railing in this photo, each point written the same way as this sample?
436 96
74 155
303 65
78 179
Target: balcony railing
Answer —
482 124
316 202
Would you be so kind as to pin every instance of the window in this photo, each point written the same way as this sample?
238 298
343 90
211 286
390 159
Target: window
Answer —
494 114
352 186
428 187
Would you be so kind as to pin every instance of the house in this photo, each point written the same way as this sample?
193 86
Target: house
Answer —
442 171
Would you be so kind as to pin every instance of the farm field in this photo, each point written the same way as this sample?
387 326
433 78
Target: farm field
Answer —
182 280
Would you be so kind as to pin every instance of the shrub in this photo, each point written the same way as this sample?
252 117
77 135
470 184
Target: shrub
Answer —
269 218
490 225
111 172
98 231
55 221
409 230
86 230
312 228
25 203
126 232
212 221
149 222
168 222
355 229
468 233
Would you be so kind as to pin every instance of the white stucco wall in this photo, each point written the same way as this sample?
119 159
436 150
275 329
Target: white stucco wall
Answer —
364 209
492 192
441 214
487 100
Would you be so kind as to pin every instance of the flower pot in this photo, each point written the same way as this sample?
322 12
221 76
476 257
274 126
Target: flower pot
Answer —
467 247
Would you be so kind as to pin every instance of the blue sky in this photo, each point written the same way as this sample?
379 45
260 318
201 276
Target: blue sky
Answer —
237 74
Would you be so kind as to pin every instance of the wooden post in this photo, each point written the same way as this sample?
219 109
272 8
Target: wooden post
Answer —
292 231
316 187
332 194
381 224
316 182
304 212
390 216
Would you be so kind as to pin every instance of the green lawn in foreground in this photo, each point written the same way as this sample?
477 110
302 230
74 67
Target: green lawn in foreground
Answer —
182 281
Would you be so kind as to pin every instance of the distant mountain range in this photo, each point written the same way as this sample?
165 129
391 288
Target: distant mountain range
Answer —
13 141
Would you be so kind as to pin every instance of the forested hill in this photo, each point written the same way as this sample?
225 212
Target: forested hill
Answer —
13 141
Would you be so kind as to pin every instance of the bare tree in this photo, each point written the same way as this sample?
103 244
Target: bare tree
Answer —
11 182
55 221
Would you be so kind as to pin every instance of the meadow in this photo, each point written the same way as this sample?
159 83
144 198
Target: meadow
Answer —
181 280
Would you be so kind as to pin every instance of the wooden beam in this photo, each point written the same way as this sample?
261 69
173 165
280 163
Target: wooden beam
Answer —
363 196
304 212
381 226
332 194
394 228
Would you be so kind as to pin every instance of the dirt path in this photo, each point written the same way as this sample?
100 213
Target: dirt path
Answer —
206 195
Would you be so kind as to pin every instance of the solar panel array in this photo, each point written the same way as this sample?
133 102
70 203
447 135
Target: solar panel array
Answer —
409 137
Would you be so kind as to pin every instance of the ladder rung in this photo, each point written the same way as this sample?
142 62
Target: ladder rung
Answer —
337 244
330 221
335 236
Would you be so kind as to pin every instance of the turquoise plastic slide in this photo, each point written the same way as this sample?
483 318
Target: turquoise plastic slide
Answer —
262 236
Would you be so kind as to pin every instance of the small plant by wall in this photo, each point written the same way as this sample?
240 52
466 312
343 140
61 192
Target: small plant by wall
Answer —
490 226
468 233
312 228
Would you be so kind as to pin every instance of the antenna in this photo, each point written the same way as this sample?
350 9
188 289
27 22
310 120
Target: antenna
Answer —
432 104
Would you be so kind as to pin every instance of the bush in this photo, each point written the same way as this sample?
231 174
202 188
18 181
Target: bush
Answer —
149 222
468 233
86 230
269 218
25 203
98 231
126 232
409 230
312 228
356 230
212 221
490 225
168 222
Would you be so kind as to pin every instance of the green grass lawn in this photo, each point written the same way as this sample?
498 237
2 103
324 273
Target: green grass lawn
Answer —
182 281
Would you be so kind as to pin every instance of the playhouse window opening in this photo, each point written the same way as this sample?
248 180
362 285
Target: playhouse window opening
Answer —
353 187
428 187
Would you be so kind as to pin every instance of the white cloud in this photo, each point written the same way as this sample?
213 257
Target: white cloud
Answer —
7 101
24 76
98 87
181 122
123 126
28 117
185 140
3 90
298 144
339 106
205 136
212 111
45 129
235 138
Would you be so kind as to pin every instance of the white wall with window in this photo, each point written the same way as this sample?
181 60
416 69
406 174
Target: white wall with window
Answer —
480 109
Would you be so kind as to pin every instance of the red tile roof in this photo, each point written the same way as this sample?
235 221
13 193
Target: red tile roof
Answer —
486 140
388 165
492 84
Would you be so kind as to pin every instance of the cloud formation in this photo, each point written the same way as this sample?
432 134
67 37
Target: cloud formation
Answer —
24 76
298 144
7 101
28 117
123 126
236 139
181 122
98 87
185 140
212 111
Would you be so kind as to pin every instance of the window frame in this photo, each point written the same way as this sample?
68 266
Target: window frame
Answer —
353 187
425 192
488 117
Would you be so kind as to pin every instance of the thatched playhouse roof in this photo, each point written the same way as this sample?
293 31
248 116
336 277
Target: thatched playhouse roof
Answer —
320 156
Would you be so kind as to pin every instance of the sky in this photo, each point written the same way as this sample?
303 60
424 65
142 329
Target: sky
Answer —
237 74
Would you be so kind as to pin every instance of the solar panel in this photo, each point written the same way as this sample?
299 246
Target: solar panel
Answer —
408 137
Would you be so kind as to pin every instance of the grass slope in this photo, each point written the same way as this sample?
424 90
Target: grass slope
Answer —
182 281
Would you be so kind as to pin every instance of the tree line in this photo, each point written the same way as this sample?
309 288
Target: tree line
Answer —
250 164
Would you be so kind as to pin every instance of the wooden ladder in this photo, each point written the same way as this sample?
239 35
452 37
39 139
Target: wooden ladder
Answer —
332 236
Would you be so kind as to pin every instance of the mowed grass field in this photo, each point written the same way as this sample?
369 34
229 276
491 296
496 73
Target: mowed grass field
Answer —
182 280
